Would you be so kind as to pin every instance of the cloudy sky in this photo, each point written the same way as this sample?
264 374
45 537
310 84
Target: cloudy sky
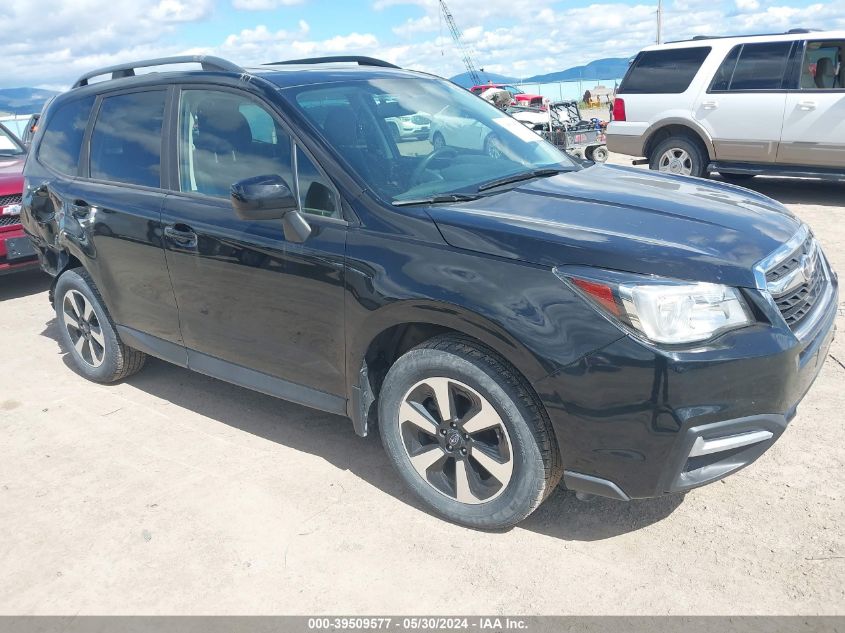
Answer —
47 43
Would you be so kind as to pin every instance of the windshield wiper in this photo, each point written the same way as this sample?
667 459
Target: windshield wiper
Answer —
446 197
524 175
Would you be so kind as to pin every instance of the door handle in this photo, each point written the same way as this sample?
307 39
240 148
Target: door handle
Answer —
181 235
709 105
806 105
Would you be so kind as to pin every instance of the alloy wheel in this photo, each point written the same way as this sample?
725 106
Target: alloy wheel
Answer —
455 440
84 329
675 161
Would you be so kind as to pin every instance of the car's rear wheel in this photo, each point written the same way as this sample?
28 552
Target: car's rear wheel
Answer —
437 141
679 155
597 154
492 147
467 434
88 333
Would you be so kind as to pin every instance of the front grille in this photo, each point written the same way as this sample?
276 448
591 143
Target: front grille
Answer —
15 198
9 220
419 119
804 268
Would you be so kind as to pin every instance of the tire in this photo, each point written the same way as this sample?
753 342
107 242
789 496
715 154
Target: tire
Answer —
437 141
597 154
738 179
499 423
394 130
491 148
679 155
94 346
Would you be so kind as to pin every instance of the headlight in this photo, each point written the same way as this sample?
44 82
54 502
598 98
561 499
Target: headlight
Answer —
662 310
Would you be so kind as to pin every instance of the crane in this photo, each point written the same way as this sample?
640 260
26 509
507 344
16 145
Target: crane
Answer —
459 42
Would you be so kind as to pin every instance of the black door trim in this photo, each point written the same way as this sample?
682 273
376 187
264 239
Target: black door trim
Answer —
231 372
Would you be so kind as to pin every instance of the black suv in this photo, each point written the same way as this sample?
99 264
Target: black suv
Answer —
508 315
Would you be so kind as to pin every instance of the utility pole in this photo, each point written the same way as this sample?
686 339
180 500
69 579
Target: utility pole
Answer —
659 21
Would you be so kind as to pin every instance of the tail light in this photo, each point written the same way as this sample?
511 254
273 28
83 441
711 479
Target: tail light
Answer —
619 109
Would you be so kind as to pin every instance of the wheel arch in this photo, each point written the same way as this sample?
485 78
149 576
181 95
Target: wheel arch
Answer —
667 128
397 328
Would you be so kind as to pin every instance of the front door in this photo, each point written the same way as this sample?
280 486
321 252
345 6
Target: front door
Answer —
814 125
742 109
254 308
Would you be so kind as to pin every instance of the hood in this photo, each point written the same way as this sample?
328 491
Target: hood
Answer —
625 219
11 174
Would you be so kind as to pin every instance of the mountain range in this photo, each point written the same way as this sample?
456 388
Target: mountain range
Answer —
608 68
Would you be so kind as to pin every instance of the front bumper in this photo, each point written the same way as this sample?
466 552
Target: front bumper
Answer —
16 252
634 421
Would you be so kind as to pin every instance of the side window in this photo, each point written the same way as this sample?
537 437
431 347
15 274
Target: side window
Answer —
823 67
667 71
761 66
62 139
225 137
723 76
316 195
126 140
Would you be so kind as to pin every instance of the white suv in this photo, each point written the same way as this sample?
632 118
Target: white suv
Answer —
737 105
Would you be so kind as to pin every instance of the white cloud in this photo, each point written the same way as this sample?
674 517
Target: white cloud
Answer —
747 5
505 36
263 5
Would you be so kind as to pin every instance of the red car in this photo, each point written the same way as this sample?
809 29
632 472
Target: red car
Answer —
519 97
16 252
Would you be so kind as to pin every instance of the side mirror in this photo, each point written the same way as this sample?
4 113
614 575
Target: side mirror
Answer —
265 197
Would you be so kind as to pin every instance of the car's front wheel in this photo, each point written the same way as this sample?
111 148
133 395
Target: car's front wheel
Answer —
88 333
679 155
467 434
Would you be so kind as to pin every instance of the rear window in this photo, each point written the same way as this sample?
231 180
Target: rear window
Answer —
668 71
753 67
62 139
126 141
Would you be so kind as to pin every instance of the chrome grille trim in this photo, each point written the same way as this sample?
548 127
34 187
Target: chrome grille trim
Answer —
14 198
796 280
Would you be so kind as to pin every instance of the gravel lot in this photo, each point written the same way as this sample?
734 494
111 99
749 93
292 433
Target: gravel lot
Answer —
176 493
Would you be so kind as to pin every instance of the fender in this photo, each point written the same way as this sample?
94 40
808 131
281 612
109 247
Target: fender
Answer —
686 122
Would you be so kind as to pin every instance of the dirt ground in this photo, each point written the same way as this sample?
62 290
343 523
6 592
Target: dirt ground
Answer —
174 493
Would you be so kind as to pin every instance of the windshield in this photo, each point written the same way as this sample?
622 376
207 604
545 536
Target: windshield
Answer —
9 144
414 139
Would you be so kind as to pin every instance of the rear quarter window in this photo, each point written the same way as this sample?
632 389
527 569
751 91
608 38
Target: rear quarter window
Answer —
668 71
62 137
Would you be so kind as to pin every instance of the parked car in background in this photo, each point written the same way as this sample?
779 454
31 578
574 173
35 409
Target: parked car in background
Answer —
519 96
508 318
740 106
16 251
454 126
414 127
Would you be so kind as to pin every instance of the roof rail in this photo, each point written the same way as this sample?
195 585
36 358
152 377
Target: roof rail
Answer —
208 62
697 38
358 59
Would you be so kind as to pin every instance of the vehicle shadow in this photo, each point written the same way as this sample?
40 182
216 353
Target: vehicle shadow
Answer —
17 285
331 437
824 193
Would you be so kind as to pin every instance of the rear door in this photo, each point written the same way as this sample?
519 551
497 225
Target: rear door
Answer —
118 198
742 109
814 125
